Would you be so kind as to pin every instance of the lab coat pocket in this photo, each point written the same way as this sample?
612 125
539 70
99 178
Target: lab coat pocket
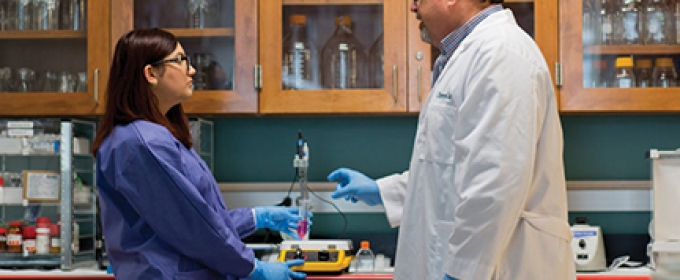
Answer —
438 133
196 274
438 251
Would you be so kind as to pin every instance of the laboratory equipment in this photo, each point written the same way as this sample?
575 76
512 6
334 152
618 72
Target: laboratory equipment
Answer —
644 73
588 246
299 56
624 76
301 163
319 255
656 23
664 249
365 260
627 26
343 58
664 73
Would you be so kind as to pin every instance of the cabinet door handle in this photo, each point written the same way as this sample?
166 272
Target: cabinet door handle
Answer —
96 86
394 83
419 77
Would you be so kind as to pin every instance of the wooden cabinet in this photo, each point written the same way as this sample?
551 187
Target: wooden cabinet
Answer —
39 69
589 83
221 38
537 18
320 94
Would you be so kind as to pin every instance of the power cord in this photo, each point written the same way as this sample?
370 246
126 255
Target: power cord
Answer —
344 227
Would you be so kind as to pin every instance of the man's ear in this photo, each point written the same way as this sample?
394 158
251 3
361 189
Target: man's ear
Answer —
151 75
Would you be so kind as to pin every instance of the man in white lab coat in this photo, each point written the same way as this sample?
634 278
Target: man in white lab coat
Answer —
485 196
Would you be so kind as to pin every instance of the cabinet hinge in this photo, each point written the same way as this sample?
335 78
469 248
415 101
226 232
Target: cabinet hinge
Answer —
558 74
258 77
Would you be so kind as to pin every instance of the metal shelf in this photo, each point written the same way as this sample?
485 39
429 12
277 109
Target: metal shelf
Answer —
18 260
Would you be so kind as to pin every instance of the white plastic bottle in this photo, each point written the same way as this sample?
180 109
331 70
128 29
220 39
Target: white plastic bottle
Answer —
365 258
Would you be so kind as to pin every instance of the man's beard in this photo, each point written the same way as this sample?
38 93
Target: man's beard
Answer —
425 35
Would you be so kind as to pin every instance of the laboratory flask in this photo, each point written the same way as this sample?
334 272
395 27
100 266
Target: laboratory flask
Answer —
607 20
376 62
643 74
343 58
299 57
664 73
627 27
46 14
73 14
624 76
365 260
656 22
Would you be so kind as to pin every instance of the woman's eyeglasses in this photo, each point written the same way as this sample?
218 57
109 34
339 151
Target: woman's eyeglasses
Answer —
177 60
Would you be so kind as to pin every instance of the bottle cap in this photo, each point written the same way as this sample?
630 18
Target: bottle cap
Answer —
15 224
54 229
2 182
29 231
624 62
43 220
345 20
365 244
664 62
297 19
3 230
643 63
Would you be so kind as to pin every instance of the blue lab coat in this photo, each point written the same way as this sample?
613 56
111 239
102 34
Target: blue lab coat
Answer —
162 212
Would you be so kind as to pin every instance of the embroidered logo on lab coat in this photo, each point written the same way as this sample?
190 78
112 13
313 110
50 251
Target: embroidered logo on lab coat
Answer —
441 95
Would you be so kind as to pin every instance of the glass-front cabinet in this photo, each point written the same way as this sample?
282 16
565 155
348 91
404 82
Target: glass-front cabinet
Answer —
620 55
53 56
220 38
337 56
537 18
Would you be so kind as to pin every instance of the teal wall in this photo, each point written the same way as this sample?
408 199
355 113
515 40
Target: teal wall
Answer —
596 148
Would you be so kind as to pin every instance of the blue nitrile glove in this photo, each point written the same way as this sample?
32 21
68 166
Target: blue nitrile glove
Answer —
276 270
284 219
447 277
355 186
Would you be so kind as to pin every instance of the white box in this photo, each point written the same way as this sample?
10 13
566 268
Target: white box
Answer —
11 195
81 146
10 145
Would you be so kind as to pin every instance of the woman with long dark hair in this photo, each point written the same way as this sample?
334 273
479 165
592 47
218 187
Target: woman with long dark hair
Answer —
162 212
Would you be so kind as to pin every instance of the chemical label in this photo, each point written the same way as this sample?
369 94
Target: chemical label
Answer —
14 239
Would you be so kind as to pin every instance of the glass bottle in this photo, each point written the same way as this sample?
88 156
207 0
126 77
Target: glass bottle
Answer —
28 240
73 14
201 13
46 14
365 260
14 237
607 16
664 73
55 239
343 58
603 79
656 23
376 61
628 24
42 236
3 239
299 56
592 25
624 76
4 16
643 73
22 14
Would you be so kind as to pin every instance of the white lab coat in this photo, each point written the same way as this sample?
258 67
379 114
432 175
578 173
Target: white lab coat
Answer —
485 196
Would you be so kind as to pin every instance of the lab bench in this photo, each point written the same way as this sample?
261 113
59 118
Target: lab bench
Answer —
76 276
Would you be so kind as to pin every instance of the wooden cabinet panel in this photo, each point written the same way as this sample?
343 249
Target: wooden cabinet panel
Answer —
588 68
228 44
369 19
58 51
